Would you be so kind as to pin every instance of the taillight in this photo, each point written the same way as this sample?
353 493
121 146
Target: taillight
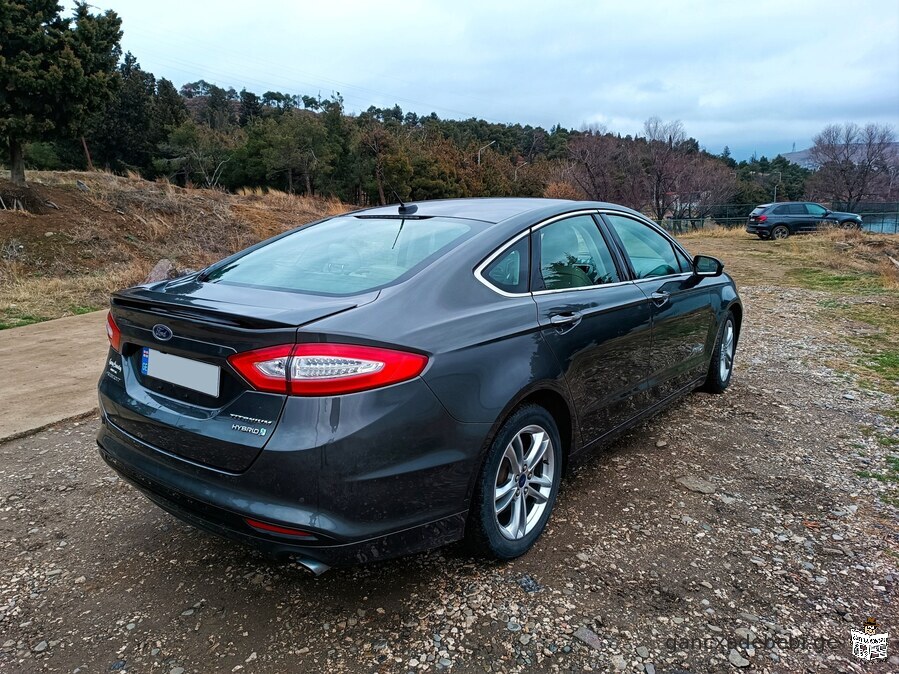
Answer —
113 333
762 218
325 369
264 369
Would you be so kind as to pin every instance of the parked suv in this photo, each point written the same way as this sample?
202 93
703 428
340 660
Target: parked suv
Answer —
779 220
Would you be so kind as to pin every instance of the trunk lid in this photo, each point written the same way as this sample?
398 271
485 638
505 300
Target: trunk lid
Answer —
205 323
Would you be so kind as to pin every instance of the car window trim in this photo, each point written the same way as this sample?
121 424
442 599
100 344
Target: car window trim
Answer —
621 261
536 249
616 252
482 268
478 271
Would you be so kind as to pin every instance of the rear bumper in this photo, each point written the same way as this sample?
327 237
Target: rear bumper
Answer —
758 229
231 526
397 484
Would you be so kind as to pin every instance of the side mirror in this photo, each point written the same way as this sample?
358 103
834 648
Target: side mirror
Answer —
706 265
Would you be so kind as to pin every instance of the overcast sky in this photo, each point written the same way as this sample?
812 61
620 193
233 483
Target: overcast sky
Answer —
756 75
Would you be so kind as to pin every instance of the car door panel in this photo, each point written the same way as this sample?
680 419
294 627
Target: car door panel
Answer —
683 331
604 354
683 322
817 216
594 319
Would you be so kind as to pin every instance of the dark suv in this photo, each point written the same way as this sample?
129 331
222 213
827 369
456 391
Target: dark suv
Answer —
779 220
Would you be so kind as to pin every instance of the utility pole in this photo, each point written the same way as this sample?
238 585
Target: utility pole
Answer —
779 178
484 148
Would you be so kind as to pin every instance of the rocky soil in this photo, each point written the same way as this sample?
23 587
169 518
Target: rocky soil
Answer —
729 533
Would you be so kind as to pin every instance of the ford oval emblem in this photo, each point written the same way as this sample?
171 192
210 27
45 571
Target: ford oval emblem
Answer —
162 332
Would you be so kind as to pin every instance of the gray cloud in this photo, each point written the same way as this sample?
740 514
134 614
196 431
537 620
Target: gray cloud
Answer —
757 76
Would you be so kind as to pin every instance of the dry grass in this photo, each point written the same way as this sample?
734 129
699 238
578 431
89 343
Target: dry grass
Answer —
27 299
848 252
838 252
713 231
110 230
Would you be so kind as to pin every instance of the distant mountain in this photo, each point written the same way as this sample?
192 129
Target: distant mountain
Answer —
804 157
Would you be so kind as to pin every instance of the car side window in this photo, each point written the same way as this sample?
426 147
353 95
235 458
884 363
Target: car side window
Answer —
815 209
782 210
650 253
511 270
686 264
798 209
573 254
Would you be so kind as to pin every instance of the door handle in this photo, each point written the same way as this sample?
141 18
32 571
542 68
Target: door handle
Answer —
660 298
568 319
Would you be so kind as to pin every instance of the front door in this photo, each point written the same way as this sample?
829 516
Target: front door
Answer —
817 216
595 321
683 322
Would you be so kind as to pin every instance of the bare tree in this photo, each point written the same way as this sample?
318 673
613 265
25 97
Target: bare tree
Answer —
666 141
632 179
854 162
609 168
592 155
702 184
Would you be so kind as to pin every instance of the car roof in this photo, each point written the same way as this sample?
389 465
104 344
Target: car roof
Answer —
487 209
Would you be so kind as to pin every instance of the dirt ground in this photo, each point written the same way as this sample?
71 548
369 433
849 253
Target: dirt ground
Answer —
742 531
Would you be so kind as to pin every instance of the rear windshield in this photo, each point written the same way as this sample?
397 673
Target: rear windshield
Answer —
345 255
758 210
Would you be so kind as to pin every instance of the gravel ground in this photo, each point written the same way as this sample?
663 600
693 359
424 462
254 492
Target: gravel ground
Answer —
731 532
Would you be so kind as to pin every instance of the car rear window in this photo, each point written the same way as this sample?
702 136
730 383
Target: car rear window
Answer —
346 255
758 210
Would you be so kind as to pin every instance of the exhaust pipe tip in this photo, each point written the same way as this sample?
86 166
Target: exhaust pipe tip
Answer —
315 567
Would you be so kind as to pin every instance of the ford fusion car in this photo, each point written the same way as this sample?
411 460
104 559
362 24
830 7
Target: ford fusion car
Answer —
394 379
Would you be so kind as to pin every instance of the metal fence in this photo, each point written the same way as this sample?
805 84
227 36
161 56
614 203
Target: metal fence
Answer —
879 217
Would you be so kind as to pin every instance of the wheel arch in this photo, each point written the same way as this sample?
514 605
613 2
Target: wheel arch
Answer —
554 403
550 397
737 310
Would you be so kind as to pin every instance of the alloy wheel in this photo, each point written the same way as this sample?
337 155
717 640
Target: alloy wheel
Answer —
726 361
524 481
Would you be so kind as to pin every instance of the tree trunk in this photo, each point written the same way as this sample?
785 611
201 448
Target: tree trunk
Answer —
16 162
290 181
87 154
380 182
308 184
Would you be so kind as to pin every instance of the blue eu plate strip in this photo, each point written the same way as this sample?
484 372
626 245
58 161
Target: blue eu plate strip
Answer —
145 361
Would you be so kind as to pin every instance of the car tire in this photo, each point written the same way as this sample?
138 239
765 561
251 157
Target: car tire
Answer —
503 492
850 224
721 366
780 232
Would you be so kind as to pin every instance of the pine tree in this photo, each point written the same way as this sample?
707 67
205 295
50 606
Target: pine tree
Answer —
54 72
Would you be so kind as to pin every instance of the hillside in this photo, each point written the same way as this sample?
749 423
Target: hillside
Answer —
92 233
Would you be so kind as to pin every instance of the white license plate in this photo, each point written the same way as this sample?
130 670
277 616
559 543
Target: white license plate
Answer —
185 372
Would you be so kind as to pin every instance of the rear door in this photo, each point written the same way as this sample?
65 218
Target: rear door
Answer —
781 215
594 319
804 221
683 322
